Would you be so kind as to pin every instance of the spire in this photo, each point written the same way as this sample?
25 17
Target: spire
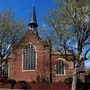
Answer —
33 22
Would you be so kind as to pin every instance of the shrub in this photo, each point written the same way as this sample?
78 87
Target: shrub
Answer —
23 84
44 80
3 79
68 80
87 72
12 81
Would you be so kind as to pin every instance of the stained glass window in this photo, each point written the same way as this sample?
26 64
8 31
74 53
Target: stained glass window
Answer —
29 58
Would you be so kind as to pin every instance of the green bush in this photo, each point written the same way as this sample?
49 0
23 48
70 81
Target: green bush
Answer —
68 80
87 72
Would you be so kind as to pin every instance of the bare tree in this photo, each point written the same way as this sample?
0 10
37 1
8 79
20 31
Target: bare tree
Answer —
10 33
69 27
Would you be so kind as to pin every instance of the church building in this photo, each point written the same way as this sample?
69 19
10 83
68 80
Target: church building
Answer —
34 60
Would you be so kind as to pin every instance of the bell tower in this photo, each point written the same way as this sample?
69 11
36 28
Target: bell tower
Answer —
33 21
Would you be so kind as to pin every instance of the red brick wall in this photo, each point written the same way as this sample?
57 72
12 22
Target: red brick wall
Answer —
15 64
15 69
68 68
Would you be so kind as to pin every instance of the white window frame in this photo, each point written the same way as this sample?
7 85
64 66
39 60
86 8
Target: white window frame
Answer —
64 67
35 58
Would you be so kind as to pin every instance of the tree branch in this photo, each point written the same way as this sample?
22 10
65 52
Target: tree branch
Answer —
7 50
84 58
87 43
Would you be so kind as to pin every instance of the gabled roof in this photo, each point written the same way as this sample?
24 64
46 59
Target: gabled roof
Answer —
44 43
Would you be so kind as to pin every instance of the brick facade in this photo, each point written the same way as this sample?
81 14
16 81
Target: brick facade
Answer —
42 61
43 55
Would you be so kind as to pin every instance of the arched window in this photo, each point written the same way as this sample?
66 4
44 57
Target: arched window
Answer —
29 58
60 67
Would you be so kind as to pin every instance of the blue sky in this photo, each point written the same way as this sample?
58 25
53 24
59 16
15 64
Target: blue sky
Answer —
22 9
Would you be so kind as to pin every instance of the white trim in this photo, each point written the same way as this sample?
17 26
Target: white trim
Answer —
8 69
35 57
29 70
64 67
61 59
60 74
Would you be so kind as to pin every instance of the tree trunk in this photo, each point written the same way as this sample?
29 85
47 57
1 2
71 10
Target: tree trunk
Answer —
50 61
74 82
0 67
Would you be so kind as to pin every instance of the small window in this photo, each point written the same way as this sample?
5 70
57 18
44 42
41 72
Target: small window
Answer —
29 58
4 71
59 67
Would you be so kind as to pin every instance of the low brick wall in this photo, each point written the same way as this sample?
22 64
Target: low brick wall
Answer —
5 85
37 86
48 86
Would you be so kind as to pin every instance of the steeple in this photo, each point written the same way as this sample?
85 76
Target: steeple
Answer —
33 22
